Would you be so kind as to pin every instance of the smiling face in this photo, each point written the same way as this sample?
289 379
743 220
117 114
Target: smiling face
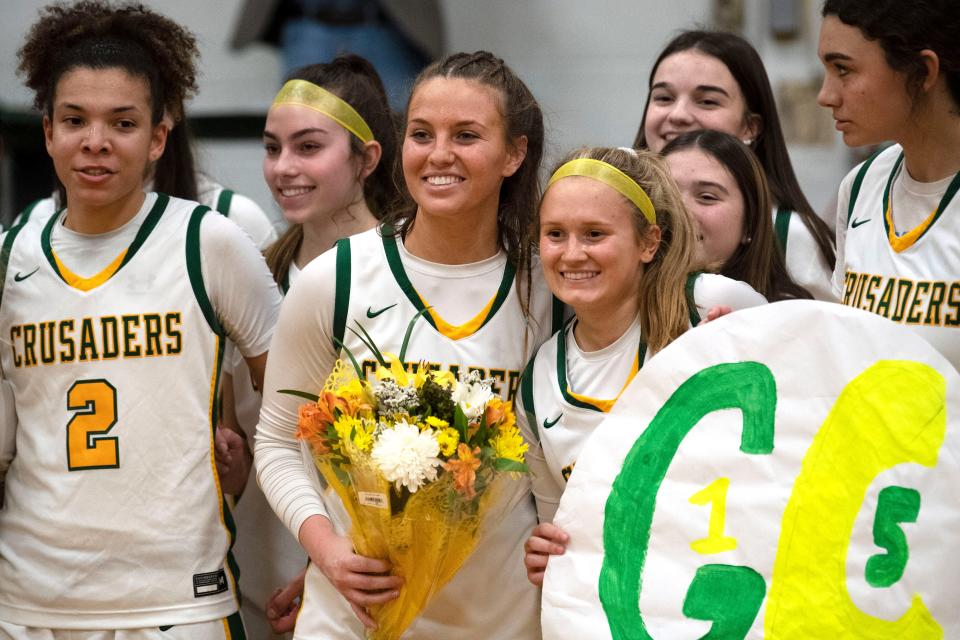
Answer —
591 253
869 99
692 90
455 150
710 193
101 139
309 165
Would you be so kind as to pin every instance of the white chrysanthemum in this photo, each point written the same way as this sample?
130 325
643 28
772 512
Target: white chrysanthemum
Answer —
407 456
472 397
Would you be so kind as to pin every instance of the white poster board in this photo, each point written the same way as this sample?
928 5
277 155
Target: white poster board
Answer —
789 471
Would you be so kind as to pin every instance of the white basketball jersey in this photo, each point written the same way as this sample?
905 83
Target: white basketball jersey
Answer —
113 516
489 597
913 279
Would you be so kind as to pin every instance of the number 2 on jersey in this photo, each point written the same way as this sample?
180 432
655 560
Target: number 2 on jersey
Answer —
95 404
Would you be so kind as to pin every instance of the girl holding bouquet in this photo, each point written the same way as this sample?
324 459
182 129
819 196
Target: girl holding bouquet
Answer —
329 149
617 245
894 75
455 254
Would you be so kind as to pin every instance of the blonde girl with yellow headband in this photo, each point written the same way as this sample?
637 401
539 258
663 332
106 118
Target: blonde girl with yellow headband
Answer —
329 146
618 247
457 251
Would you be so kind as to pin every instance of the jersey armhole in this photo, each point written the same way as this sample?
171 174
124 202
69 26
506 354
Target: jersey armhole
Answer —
858 182
526 396
341 302
223 202
5 252
691 301
195 271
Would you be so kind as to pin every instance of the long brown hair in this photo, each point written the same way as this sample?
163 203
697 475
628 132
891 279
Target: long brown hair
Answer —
354 80
770 147
757 262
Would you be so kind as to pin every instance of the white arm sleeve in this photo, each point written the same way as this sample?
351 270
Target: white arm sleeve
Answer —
843 204
713 290
546 493
248 215
301 357
242 291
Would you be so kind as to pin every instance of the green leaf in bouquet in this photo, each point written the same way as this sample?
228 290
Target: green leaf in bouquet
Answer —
460 423
353 360
369 343
409 332
300 394
505 464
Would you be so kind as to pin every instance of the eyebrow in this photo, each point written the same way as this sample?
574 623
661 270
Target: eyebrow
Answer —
77 107
461 123
296 134
700 87
832 56
706 183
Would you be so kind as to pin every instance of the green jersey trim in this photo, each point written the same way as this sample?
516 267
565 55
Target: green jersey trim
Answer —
341 304
691 302
857 183
5 252
223 202
944 202
562 370
782 228
149 224
195 270
526 396
400 275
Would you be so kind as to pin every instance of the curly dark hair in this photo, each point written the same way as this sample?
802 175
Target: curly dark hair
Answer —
99 35
903 32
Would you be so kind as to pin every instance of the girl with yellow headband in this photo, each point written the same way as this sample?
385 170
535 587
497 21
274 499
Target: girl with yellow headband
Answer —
618 247
457 252
329 147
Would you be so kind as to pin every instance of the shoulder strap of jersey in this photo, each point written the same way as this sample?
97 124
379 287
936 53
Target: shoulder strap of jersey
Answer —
691 302
223 202
24 216
342 296
858 182
782 227
526 396
195 270
5 251
556 314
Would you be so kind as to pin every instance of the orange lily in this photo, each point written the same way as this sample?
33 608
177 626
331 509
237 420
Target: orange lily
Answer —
464 470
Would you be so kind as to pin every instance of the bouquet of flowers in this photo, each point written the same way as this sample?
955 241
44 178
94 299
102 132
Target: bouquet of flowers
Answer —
421 461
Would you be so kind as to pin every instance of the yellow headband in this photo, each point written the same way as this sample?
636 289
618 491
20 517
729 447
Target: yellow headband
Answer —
611 176
307 94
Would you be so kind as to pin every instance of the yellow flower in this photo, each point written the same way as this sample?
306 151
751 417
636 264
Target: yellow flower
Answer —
447 439
437 423
345 425
509 444
394 371
363 438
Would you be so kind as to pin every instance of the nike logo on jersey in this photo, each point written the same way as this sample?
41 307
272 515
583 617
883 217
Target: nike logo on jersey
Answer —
20 278
373 314
549 423
857 223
